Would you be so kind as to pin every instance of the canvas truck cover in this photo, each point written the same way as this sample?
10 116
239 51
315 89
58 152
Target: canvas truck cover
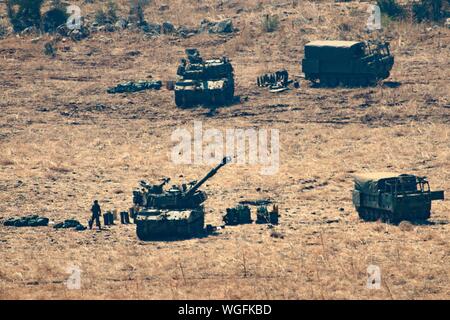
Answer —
333 50
368 182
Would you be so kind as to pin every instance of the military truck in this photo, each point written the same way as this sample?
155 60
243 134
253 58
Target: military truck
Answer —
203 82
172 214
347 63
393 197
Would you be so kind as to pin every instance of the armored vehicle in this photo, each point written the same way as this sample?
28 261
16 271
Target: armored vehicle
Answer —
207 82
347 63
175 213
393 197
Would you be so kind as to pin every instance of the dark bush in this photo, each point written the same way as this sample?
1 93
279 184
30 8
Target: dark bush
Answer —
137 11
53 18
24 13
420 10
107 15
428 10
391 8
49 49
270 23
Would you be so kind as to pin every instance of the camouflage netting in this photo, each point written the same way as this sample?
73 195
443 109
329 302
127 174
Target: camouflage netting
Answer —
135 86
53 19
27 221
70 224
368 182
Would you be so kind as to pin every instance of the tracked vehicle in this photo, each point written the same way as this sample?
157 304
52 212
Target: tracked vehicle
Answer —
172 214
204 82
347 63
393 197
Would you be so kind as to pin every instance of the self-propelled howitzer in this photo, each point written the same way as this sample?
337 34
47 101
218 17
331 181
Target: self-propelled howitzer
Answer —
204 82
175 213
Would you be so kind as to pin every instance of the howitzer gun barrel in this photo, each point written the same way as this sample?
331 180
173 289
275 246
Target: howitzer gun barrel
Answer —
208 176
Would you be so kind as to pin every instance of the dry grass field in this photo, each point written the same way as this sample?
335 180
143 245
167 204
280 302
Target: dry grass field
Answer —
64 142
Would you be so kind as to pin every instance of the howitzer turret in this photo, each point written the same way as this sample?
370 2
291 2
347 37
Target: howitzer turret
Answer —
155 188
204 81
140 195
177 212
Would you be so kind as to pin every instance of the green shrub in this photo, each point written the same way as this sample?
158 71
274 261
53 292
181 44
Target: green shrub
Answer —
4 29
137 11
111 11
49 49
270 23
107 15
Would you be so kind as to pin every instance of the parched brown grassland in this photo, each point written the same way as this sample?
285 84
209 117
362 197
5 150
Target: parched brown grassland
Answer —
64 142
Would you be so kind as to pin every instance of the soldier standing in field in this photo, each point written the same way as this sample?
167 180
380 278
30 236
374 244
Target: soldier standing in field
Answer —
96 212
182 67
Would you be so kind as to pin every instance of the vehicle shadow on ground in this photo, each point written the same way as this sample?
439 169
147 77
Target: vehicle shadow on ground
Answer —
203 235
429 223
418 222
213 109
385 84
